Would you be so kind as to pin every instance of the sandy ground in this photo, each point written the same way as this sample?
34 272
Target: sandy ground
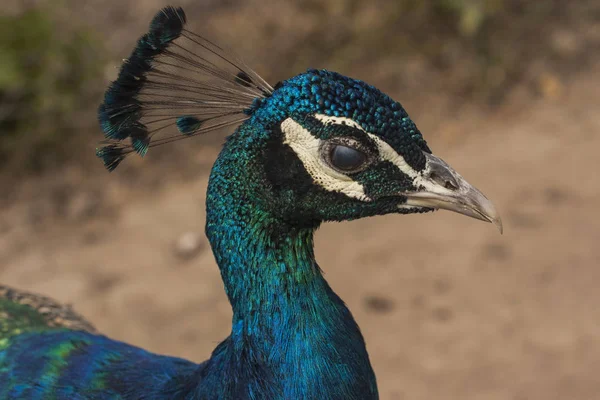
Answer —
450 309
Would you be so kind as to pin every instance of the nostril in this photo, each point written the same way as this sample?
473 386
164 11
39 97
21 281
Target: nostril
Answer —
446 181
450 186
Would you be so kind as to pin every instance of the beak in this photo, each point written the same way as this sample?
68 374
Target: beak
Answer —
440 187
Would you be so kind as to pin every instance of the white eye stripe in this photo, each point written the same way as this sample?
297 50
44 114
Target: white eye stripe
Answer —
386 152
327 119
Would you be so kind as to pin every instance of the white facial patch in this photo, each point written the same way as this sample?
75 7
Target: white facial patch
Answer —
307 148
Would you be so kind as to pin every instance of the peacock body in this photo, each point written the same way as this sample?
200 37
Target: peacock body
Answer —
317 147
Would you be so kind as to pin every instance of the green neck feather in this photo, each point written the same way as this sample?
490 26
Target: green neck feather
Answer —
286 318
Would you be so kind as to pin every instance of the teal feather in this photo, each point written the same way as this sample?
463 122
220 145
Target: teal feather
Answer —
188 124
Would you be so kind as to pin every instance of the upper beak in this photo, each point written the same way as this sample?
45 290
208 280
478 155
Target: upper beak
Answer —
440 187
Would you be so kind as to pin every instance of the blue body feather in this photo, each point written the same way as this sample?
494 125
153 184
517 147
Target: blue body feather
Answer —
292 337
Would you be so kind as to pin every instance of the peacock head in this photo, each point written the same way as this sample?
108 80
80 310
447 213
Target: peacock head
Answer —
329 147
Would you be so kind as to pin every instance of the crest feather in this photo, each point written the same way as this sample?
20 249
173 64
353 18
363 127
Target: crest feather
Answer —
178 81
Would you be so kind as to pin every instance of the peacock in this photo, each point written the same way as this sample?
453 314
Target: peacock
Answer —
317 147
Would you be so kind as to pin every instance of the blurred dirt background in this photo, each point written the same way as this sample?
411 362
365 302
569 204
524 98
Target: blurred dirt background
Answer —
506 91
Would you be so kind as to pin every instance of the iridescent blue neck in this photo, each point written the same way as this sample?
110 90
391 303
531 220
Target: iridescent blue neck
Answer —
292 336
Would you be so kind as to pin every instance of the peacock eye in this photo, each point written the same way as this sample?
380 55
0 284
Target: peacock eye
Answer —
346 158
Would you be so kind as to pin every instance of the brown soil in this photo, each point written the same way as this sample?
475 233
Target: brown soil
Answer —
449 308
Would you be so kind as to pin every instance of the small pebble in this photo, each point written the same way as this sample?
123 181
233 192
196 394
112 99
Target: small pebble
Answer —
188 245
379 304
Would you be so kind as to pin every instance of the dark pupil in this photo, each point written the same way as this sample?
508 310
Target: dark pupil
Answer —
347 158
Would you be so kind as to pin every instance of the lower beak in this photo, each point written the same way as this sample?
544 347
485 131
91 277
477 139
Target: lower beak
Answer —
443 188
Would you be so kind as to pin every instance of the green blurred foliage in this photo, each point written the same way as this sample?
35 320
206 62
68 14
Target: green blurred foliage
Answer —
468 16
483 47
46 73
